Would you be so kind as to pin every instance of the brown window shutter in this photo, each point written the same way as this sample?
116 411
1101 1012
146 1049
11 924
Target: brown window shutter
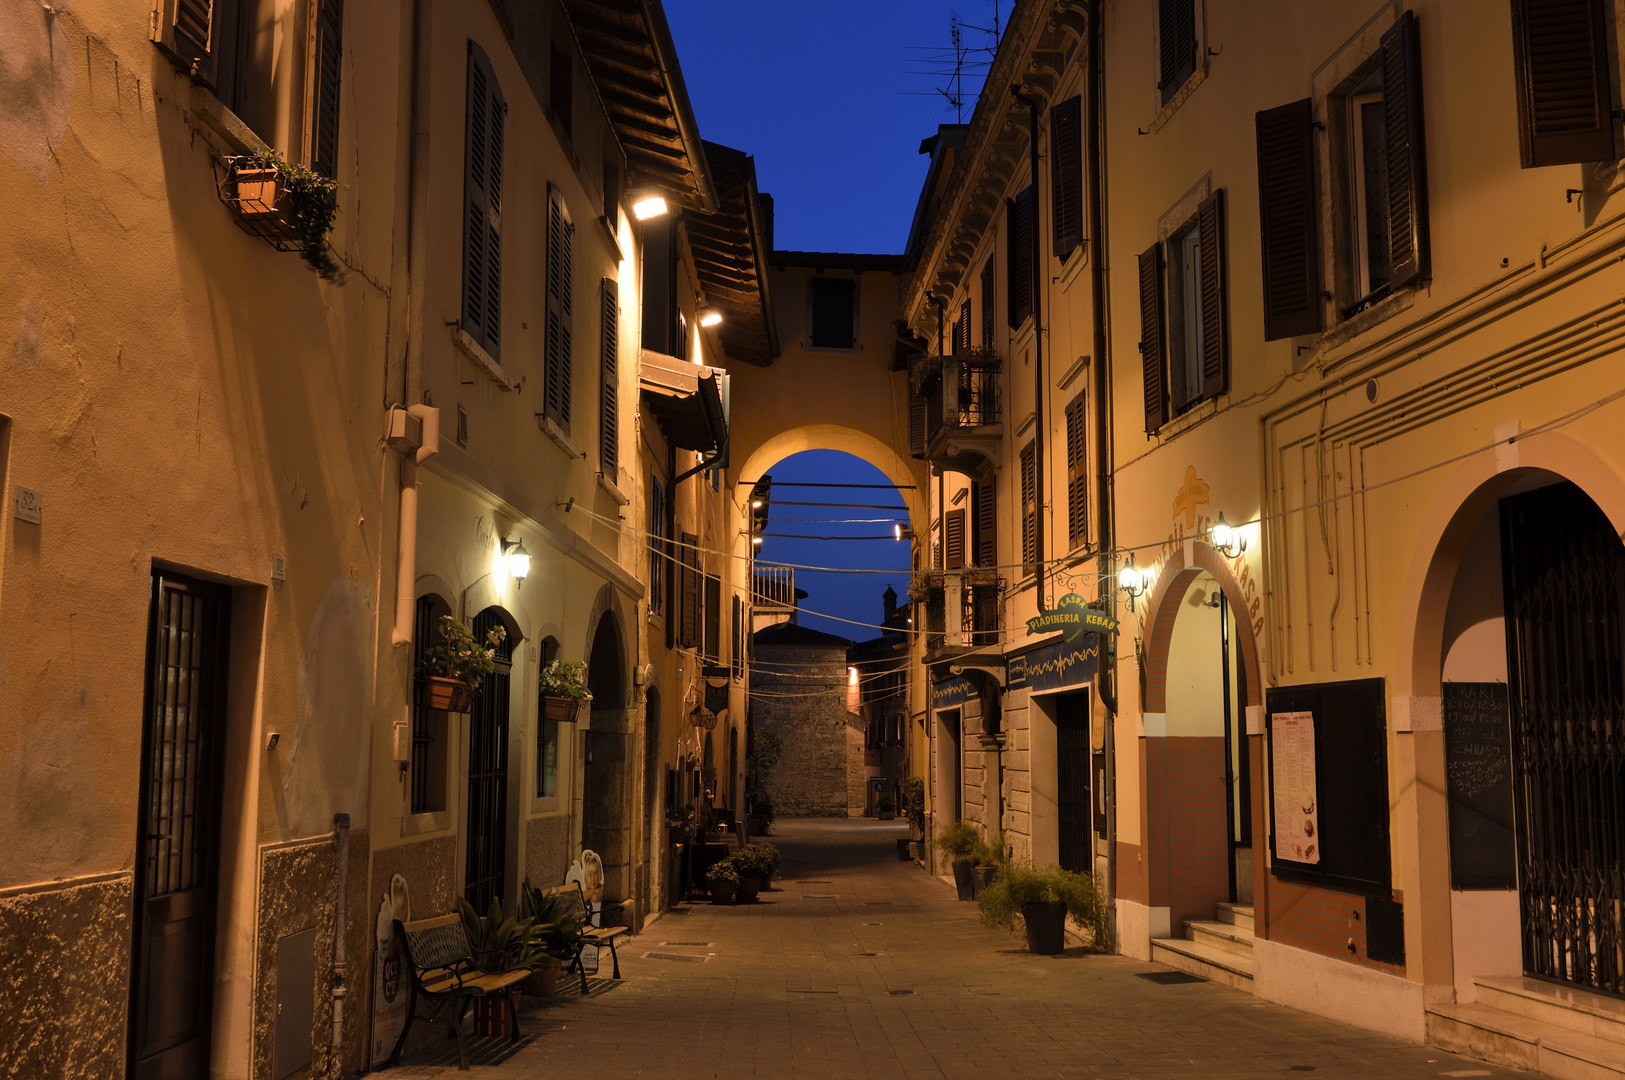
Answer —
1019 244
985 511
988 341
1077 469
953 540
1066 174
485 115
325 109
1215 296
1176 36
916 426
609 433
1151 338
559 355
1029 507
688 630
713 618
193 33
1289 220
1407 151
962 330
738 654
1560 56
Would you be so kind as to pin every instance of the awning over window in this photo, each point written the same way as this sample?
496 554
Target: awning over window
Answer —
688 401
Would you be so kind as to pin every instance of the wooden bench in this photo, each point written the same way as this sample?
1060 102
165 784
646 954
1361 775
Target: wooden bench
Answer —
443 973
575 902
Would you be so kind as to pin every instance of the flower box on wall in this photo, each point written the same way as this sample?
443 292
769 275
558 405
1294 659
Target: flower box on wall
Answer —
561 709
453 695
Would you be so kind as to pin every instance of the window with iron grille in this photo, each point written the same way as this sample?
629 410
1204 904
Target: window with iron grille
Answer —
547 733
427 769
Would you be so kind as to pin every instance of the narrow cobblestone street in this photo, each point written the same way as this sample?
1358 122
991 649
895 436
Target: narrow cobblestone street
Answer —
858 965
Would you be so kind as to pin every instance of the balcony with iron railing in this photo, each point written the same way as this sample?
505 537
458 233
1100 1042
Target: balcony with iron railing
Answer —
964 610
956 420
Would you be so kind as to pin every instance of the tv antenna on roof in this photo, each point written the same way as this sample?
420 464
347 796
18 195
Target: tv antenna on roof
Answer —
961 59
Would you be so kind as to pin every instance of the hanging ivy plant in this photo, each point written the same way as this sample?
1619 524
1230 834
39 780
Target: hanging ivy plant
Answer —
312 205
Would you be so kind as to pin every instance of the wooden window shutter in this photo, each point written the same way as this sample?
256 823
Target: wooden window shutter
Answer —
984 508
953 540
1565 111
1407 151
1288 215
1066 174
486 115
1077 469
191 34
738 654
688 629
1029 507
987 306
916 426
609 435
325 109
1152 360
713 617
962 329
559 358
1176 36
1215 296
1019 240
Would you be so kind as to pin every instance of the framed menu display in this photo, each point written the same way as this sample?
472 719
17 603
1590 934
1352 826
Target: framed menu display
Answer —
1297 800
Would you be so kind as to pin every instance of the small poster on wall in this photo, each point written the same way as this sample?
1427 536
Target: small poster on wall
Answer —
1297 806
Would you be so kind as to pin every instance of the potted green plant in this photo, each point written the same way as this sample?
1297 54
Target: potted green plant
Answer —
761 815
1041 900
886 807
959 842
499 943
723 881
563 690
987 858
459 664
914 805
679 824
306 202
558 927
756 865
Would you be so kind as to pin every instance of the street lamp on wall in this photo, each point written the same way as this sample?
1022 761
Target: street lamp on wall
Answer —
1225 539
650 206
518 560
1133 580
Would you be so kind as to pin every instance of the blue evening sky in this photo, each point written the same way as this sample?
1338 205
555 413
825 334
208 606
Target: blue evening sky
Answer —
823 96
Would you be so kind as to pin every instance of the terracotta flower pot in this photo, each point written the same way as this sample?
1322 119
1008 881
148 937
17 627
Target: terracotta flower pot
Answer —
722 892
561 709
256 191
453 695
544 981
491 1014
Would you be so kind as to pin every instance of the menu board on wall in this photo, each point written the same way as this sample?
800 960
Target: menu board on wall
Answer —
1297 803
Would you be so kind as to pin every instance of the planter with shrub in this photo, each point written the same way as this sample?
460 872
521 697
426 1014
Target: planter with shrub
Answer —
1040 900
959 842
563 690
459 664
723 881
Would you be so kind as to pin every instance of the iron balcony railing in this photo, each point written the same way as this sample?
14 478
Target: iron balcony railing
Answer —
963 608
960 392
776 585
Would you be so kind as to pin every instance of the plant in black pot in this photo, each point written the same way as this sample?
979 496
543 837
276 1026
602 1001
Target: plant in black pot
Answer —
1040 901
988 858
914 806
959 842
886 807
755 864
723 880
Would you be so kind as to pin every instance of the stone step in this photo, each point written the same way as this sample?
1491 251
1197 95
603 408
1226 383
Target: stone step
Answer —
1236 914
1220 935
1566 1006
1205 961
1506 1038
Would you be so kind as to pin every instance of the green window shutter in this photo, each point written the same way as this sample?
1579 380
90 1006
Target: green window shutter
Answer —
324 117
1153 363
1560 53
485 116
1289 220
559 359
1401 59
609 434
1215 300
1066 175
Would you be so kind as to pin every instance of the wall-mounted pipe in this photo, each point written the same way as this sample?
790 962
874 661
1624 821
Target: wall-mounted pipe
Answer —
406 575
341 908
1039 389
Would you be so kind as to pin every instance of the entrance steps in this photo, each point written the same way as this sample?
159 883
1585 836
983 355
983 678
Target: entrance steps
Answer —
1220 950
1549 1028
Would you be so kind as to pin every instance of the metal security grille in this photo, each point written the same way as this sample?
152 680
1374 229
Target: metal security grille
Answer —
423 638
1565 605
484 875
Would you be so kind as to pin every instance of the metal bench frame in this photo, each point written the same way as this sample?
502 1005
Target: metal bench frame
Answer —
437 954
592 935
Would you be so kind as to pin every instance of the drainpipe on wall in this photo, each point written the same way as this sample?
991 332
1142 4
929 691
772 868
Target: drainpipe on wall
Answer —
1107 685
407 571
1038 346
341 967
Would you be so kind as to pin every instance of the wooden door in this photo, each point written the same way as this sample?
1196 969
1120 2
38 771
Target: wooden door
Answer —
1074 810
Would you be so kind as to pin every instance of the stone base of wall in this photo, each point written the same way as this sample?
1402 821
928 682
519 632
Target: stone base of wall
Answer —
65 995
547 851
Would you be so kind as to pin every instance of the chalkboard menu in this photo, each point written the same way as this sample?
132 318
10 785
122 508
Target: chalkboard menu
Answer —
1478 784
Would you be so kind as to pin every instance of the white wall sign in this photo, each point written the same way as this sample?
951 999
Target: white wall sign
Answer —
28 504
279 568
1297 803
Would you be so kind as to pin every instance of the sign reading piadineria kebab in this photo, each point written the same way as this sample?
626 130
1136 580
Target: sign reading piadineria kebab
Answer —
1073 617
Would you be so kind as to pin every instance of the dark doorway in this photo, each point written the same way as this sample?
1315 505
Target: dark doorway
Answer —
485 873
172 976
1564 574
954 763
607 789
1074 810
654 829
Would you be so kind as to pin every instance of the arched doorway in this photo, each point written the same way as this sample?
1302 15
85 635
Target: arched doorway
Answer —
607 788
485 866
654 830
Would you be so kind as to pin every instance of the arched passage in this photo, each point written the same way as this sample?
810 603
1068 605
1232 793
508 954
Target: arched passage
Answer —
606 800
910 475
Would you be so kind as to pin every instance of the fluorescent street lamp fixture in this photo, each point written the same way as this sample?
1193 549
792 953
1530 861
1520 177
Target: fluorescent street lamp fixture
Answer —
756 540
756 504
711 318
518 560
1225 539
900 533
650 206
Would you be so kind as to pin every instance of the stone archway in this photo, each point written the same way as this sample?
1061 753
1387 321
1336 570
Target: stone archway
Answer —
910 475
607 786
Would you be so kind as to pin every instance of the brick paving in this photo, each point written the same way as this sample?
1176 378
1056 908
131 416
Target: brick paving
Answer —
859 965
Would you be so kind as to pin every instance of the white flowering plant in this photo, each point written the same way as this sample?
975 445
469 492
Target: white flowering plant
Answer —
460 657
